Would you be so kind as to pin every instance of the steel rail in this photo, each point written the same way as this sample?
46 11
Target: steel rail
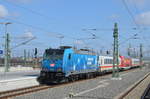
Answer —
146 94
21 91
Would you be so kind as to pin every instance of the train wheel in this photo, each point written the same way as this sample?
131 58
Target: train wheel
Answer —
72 78
92 75
66 79
76 77
88 76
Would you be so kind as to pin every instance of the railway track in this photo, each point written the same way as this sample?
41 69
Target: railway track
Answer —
22 91
146 94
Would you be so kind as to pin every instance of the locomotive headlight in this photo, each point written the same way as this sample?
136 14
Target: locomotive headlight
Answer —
52 65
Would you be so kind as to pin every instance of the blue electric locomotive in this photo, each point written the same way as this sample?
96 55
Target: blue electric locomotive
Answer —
67 64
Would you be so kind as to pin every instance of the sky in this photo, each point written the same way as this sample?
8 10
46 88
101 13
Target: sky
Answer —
69 22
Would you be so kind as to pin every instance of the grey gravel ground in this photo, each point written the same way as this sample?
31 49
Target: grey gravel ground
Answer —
100 88
18 74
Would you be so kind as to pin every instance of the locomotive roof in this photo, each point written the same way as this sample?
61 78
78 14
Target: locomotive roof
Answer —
65 47
83 51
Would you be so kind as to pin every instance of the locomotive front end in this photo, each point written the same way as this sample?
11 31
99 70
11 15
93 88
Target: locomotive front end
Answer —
52 64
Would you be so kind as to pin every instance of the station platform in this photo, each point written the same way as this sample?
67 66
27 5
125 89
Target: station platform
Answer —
104 87
18 79
17 68
18 74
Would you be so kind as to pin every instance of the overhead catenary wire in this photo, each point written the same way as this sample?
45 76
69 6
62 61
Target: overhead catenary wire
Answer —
23 43
25 8
134 21
57 35
130 13
144 28
137 25
132 16
28 25
125 41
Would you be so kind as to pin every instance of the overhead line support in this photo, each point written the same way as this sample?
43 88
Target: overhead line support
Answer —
115 73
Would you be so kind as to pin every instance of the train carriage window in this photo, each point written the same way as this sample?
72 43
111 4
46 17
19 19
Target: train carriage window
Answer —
108 61
104 61
111 61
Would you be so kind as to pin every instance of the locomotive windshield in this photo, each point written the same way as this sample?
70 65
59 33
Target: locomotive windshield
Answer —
53 54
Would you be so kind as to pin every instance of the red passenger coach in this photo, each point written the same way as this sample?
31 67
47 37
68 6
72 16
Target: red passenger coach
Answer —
126 63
